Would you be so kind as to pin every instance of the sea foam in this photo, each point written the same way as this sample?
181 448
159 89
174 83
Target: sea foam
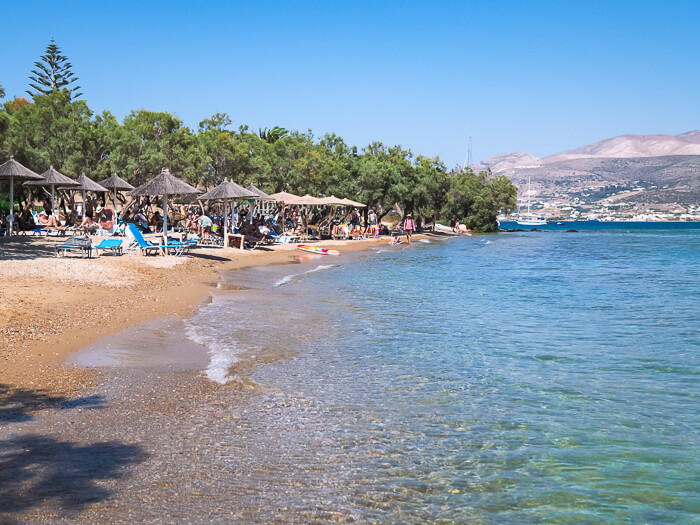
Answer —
296 276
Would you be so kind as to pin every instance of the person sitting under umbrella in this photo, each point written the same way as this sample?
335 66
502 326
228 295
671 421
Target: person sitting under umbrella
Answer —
48 221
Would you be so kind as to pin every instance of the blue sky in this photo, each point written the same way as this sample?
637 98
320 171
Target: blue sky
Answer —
539 77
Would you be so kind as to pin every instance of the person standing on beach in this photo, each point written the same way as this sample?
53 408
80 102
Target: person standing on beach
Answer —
372 219
409 227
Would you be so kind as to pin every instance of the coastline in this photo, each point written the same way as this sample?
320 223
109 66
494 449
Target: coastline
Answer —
51 308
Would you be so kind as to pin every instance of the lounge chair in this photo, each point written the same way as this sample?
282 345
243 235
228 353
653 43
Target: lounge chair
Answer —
284 239
109 244
148 247
75 244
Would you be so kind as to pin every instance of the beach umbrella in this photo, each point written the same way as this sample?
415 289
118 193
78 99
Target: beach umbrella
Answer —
116 183
227 192
164 184
287 198
259 194
332 201
52 178
12 171
85 184
348 202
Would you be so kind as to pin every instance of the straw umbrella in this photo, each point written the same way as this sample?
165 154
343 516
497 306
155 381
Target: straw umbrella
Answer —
116 183
13 170
52 178
85 184
164 184
227 192
259 194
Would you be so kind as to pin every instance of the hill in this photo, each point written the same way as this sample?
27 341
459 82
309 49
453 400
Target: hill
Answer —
638 172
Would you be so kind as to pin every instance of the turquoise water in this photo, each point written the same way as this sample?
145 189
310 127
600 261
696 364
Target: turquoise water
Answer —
512 378
621 226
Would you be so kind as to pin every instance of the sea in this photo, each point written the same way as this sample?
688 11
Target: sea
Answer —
526 377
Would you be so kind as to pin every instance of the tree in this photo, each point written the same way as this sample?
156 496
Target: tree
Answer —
2 91
53 73
476 199
273 135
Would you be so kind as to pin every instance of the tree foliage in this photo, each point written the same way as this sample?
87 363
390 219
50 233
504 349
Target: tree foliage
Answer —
55 129
53 73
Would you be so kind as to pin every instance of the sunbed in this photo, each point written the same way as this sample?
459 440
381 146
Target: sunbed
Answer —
75 244
110 244
148 247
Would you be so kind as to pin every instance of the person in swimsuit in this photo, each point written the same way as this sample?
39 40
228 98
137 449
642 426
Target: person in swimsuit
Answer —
409 227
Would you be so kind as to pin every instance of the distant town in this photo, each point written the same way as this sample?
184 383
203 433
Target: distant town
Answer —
605 203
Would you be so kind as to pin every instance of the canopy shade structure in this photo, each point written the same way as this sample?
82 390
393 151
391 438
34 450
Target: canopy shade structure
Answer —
260 194
164 184
227 191
309 200
332 201
85 184
348 202
116 183
12 171
52 178
287 198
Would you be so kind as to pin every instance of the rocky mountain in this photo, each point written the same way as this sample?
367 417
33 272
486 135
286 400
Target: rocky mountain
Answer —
644 171
632 146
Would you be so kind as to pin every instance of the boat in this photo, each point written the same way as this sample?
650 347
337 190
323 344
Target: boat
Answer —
529 218
317 249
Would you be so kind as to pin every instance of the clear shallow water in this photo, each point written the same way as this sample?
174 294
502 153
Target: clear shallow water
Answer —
503 379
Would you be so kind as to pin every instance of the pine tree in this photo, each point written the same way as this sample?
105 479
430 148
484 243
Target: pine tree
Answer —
2 91
52 73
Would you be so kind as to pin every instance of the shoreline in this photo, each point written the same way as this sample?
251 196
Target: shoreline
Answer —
51 308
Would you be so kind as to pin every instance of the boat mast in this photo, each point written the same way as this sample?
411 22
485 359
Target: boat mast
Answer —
468 158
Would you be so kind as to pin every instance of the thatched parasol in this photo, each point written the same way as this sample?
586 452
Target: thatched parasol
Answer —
348 202
52 178
85 184
13 170
259 194
164 184
116 183
227 192
287 198
332 201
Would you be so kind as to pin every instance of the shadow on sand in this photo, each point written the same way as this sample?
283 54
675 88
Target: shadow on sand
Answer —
22 248
40 472
19 404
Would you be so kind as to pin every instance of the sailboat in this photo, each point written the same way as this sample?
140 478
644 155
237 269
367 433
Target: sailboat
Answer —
529 219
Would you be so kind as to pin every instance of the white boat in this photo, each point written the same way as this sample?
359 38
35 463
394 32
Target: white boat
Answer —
530 219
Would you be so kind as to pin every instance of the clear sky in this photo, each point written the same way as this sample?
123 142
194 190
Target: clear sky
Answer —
532 76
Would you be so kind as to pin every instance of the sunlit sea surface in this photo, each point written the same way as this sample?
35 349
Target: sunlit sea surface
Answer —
510 378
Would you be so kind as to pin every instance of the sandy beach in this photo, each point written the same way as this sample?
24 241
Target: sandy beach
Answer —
50 307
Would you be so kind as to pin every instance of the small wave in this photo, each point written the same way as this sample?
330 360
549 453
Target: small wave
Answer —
489 242
426 241
296 276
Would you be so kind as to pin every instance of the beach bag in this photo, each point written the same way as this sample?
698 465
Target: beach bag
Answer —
79 242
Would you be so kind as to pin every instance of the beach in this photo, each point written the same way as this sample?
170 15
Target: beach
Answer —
51 306
393 384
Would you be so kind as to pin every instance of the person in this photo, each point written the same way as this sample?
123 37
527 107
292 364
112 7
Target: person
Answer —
372 219
354 219
157 221
204 223
46 221
409 227
453 224
142 222
88 224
